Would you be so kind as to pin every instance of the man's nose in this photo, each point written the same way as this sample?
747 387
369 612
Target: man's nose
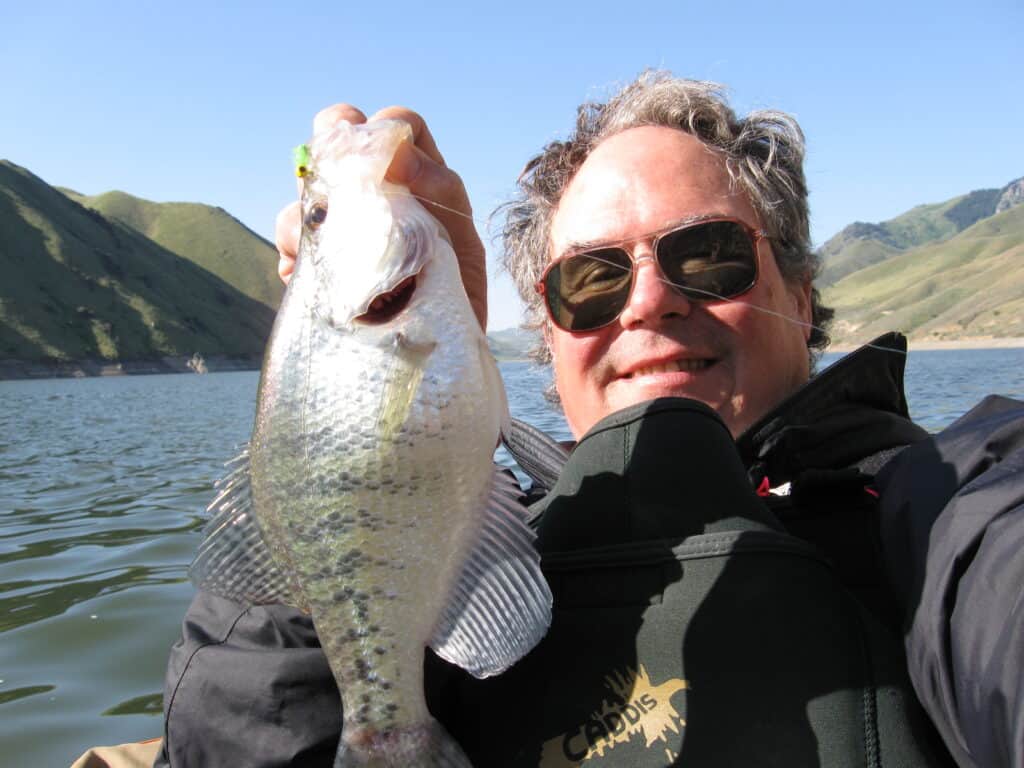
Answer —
653 299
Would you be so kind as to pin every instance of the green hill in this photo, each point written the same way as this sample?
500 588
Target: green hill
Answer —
970 285
138 285
210 237
861 244
79 286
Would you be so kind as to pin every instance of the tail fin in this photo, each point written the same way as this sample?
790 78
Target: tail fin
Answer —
427 745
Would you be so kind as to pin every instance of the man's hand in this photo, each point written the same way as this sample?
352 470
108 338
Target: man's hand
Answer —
420 167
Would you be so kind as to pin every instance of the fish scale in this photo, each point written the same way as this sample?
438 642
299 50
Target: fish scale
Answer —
337 413
354 627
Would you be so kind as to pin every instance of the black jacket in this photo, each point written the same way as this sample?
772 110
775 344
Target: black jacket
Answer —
790 606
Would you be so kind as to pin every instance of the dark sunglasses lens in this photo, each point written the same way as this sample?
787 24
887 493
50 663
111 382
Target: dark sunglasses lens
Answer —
709 261
589 290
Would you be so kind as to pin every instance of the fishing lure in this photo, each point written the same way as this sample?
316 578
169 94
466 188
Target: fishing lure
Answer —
301 156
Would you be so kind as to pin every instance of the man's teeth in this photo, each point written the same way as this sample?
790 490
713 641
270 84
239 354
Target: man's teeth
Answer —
674 366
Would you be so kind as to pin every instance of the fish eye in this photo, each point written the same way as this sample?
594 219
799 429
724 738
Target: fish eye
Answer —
317 214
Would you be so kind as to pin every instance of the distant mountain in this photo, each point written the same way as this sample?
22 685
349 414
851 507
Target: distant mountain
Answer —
861 244
1013 194
111 283
969 285
207 236
512 343
82 286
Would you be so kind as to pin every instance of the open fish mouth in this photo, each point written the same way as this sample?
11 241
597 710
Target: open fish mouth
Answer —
385 306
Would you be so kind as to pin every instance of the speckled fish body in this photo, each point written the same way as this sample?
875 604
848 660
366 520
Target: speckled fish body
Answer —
370 471
374 517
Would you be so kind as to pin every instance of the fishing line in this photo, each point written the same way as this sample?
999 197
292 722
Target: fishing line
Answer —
662 278
422 199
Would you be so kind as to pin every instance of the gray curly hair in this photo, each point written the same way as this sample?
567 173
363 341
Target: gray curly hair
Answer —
764 155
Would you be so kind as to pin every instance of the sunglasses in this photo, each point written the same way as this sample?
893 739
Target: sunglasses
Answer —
704 261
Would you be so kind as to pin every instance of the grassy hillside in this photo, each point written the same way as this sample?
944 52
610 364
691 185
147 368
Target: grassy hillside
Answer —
512 343
860 245
970 285
207 236
78 285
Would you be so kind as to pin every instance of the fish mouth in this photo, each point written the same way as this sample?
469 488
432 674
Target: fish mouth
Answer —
385 306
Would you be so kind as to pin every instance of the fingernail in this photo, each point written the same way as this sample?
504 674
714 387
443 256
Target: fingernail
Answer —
405 165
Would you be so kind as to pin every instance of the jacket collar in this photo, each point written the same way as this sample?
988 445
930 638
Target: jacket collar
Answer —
851 410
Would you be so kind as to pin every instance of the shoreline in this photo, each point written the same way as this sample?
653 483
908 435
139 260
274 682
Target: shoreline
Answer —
18 370
924 345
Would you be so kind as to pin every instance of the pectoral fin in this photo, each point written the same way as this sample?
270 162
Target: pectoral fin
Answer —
404 376
538 454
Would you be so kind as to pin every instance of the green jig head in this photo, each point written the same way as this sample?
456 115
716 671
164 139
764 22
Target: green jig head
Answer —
301 155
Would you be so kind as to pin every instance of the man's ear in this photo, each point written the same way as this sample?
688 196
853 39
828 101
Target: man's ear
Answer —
801 294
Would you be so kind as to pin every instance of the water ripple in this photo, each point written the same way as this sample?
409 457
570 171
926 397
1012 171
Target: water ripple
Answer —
104 486
30 601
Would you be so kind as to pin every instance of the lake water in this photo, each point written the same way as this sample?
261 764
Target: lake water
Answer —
103 483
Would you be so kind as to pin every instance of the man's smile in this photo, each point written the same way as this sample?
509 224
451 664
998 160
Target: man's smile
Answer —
699 375
683 365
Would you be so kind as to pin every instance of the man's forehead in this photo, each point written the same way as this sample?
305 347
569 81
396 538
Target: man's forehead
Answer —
642 181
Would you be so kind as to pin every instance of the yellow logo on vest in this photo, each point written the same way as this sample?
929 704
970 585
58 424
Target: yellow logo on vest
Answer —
635 708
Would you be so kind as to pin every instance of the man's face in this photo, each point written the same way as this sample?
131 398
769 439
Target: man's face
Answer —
740 357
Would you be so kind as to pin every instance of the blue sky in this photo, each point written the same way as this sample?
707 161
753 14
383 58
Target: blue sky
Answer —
902 103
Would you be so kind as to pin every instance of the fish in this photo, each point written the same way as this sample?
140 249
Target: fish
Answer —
367 495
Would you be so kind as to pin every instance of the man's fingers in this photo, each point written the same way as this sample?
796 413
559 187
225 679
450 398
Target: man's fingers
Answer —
287 228
421 135
326 118
419 166
442 192
435 185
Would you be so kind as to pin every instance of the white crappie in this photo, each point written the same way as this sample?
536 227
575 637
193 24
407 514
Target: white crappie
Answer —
368 497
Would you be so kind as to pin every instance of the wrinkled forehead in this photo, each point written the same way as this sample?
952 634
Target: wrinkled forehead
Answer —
643 181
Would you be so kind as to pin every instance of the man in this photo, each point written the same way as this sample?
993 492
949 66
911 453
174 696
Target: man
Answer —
728 589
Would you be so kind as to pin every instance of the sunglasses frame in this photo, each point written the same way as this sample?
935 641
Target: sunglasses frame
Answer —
755 236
